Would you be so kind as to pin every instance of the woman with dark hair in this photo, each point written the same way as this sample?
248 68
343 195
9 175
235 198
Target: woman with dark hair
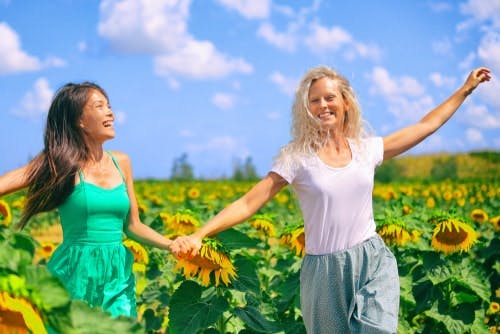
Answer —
93 191
349 279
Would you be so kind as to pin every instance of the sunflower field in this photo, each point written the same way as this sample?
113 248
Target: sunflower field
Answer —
445 236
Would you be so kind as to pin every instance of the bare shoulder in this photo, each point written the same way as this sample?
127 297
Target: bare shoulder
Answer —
122 158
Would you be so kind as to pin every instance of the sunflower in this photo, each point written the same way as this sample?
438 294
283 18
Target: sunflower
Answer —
496 222
183 222
395 232
264 224
46 249
452 235
479 216
193 193
18 315
140 253
5 213
494 308
431 202
295 239
211 258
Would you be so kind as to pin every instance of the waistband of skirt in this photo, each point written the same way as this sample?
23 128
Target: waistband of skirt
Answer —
375 240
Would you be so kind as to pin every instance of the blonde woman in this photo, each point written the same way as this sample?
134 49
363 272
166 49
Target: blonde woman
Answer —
349 278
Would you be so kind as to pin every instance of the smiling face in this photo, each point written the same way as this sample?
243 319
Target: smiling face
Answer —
97 118
327 104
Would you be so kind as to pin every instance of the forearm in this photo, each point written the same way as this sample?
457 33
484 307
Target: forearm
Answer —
442 113
234 214
13 181
146 235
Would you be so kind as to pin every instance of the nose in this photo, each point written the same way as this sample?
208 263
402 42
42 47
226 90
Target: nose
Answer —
323 103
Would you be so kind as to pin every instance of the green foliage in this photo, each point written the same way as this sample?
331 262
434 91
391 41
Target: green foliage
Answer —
389 171
245 172
181 169
445 169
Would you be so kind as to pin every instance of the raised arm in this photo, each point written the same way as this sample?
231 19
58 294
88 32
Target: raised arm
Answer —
406 138
237 212
14 180
135 229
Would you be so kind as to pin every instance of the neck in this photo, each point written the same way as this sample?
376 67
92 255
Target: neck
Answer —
96 153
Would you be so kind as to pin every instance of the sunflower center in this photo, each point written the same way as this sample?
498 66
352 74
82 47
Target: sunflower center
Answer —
453 237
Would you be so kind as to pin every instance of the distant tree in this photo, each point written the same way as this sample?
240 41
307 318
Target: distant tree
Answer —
181 169
445 168
247 172
388 172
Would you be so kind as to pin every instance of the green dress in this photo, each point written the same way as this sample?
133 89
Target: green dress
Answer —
92 261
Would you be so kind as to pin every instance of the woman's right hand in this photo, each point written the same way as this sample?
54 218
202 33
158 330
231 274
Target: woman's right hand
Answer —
186 246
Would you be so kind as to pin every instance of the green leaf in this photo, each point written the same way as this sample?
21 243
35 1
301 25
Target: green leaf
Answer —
46 287
454 326
13 258
406 287
189 314
247 275
255 321
233 239
23 241
88 320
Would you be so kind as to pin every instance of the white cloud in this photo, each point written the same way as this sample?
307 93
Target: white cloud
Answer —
323 38
466 64
474 136
141 26
82 46
482 11
12 58
405 96
223 101
480 117
284 41
440 80
442 47
274 115
35 102
199 59
337 38
186 133
286 85
440 7
250 9
160 28
120 117
489 50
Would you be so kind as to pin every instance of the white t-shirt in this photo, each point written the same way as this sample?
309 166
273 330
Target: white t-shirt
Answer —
336 203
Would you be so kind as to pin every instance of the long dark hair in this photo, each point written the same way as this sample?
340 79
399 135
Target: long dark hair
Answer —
51 174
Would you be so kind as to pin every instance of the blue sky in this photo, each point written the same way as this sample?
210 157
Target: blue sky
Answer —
215 78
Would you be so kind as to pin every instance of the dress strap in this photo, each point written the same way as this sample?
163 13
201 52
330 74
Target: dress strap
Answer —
116 164
80 175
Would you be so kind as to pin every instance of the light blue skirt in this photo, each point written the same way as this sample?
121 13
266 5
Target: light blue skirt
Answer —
351 291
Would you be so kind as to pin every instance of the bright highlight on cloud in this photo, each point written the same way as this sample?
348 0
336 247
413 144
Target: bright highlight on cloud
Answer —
160 29
35 102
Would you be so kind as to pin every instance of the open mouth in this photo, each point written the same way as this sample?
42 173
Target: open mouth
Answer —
326 114
108 124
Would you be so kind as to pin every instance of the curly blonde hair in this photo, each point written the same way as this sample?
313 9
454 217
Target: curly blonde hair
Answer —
306 134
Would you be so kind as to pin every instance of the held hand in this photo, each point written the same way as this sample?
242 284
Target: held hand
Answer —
186 246
476 77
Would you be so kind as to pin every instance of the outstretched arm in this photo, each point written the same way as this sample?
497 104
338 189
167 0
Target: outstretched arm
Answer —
135 229
406 138
14 180
237 212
